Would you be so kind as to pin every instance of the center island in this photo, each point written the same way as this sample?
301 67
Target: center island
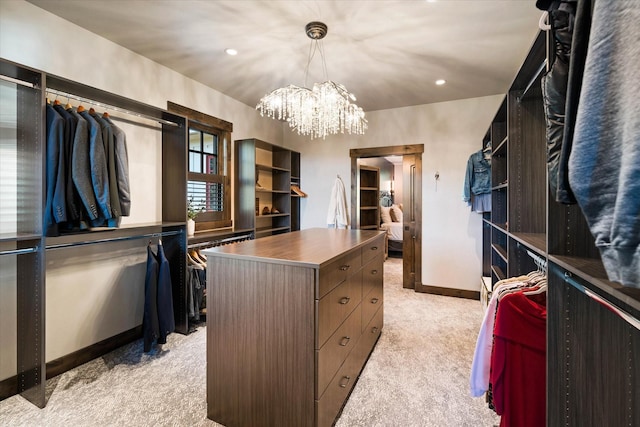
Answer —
291 321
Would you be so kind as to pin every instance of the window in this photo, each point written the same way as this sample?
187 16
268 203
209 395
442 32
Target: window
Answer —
209 182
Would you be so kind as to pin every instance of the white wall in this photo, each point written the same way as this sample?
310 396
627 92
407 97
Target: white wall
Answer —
450 132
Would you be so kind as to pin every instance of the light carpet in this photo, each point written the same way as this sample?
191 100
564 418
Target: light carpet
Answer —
418 375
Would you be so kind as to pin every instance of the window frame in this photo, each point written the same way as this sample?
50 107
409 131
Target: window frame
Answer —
201 122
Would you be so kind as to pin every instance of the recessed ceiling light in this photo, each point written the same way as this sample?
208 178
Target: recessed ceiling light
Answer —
440 82
231 52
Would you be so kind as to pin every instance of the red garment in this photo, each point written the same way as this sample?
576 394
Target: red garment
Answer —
518 361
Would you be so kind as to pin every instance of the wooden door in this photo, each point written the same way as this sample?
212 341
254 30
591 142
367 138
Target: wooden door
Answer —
412 220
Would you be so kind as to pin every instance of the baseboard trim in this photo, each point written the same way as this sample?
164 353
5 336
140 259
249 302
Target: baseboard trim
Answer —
84 355
450 292
9 386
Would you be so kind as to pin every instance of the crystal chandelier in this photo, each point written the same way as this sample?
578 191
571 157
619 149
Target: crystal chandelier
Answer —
326 109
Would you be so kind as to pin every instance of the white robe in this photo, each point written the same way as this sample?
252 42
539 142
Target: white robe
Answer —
338 216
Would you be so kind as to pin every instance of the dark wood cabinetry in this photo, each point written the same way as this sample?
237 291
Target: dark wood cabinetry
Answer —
293 320
264 201
593 371
28 244
368 197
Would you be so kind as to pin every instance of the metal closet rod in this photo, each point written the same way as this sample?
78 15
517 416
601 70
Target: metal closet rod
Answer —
108 107
114 239
18 81
542 68
540 262
617 310
19 251
213 243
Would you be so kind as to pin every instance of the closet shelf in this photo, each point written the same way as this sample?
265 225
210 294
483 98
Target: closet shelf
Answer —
368 208
592 271
268 168
266 190
369 188
272 215
535 241
501 251
19 237
500 226
497 271
112 235
269 230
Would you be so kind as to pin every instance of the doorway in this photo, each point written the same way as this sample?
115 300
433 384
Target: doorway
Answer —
411 201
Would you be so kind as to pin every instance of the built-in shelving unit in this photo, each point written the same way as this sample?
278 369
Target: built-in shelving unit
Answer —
592 377
264 202
28 246
368 197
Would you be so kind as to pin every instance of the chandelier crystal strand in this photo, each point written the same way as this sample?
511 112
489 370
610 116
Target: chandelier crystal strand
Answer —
326 109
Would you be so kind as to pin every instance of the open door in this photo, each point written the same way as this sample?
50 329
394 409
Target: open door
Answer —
412 205
412 220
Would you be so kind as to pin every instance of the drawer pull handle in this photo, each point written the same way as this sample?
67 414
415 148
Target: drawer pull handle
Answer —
344 383
345 300
374 248
345 267
374 300
344 341
374 330
374 272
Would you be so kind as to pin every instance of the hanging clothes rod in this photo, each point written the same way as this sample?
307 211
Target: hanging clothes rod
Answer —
213 243
540 262
108 107
532 81
18 82
617 310
114 239
19 251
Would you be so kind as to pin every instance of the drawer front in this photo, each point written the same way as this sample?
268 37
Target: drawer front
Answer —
373 249
333 353
372 275
334 308
328 406
371 303
369 337
338 271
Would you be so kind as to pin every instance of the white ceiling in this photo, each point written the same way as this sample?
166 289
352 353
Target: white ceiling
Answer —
388 53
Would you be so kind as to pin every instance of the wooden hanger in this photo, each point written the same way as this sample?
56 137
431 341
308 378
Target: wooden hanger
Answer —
196 258
105 115
92 110
193 263
56 102
80 108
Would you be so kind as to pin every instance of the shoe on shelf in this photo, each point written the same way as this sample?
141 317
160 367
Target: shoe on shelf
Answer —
265 210
296 190
274 211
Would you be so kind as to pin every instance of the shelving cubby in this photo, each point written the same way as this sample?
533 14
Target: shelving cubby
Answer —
264 176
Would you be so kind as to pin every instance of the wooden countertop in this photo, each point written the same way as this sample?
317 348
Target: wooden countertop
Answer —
312 247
